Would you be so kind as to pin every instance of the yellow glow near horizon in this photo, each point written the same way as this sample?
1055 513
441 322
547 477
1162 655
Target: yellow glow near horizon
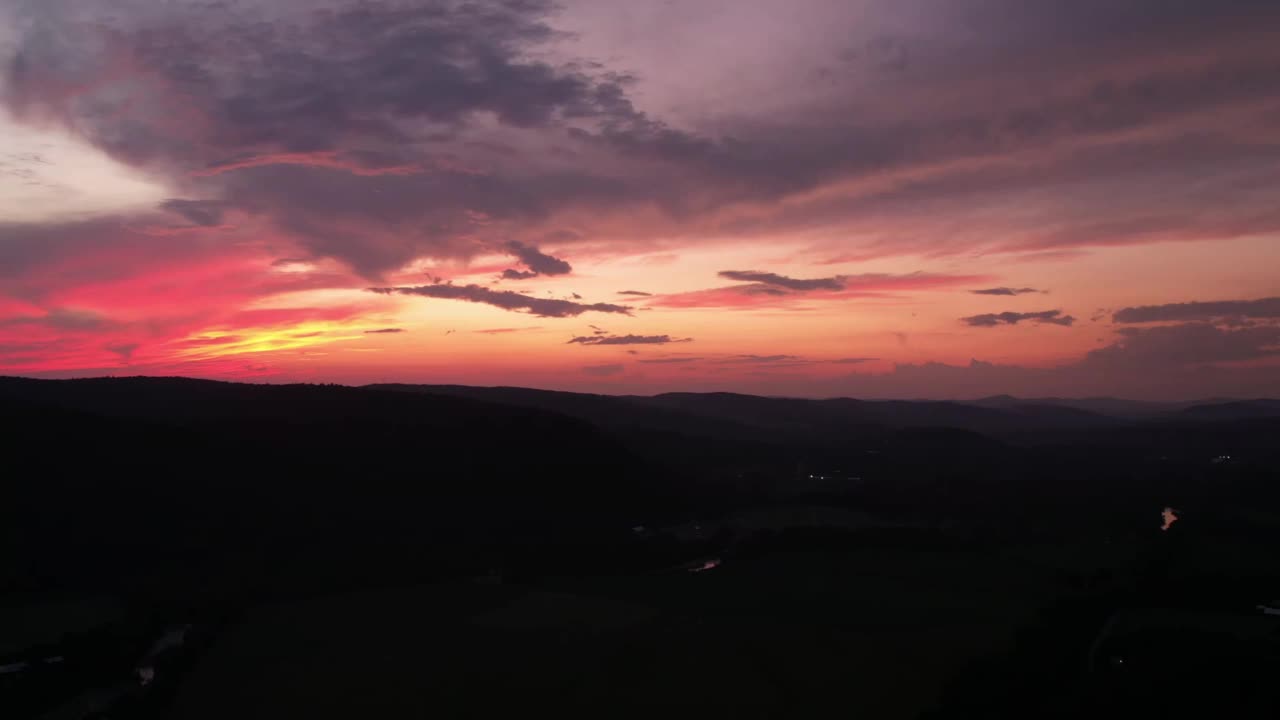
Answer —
244 341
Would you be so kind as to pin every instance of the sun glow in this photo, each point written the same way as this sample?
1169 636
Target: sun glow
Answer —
243 341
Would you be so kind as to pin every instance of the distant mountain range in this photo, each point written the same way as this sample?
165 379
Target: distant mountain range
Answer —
704 412
266 488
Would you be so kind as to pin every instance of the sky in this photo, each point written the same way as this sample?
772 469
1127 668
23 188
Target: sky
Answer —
869 198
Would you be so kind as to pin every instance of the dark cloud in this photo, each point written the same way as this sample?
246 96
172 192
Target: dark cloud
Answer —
1186 361
358 130
626 340
66 319
124 350
1265 308
510 274
764 359
503 331
1005 291
761 290
505 299
782 281
636 293
1186 344
537 261
603 370
384 331
298 80
365 131
200 212
853 360
1052 317
670 360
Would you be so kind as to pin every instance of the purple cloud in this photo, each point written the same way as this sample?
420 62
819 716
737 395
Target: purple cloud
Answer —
1051 317
505 299
626 340
782 281
1265 308
1005 291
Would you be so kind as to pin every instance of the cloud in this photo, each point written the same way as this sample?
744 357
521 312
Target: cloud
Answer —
603 370
1265 308
206 213
853 360
64 319
384 331
1051 317
505 299
124 350
670 360
510 274
1190 361
290 114
1005 291
328 159
53 174
1187 344
626 340
503 331
392 134
763 359
537 261
491 126
867 285
782 281
636 293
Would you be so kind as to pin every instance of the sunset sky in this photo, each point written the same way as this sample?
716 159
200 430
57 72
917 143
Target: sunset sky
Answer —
873 198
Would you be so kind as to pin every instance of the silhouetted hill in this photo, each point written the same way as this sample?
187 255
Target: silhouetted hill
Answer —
619 412
209 501
160 477
143 473
737 415
1234 410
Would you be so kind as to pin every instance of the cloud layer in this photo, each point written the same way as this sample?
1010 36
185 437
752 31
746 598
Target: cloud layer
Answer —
1008 291
782 281
1265 308
187 184
505 299
1051 317
626 340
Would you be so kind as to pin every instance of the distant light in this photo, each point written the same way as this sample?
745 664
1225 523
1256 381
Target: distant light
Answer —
1170 516
708 565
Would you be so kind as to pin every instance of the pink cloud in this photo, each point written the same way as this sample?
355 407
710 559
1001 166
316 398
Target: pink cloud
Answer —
855 286
330 159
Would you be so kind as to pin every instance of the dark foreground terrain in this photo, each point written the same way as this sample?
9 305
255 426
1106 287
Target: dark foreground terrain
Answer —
193 549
